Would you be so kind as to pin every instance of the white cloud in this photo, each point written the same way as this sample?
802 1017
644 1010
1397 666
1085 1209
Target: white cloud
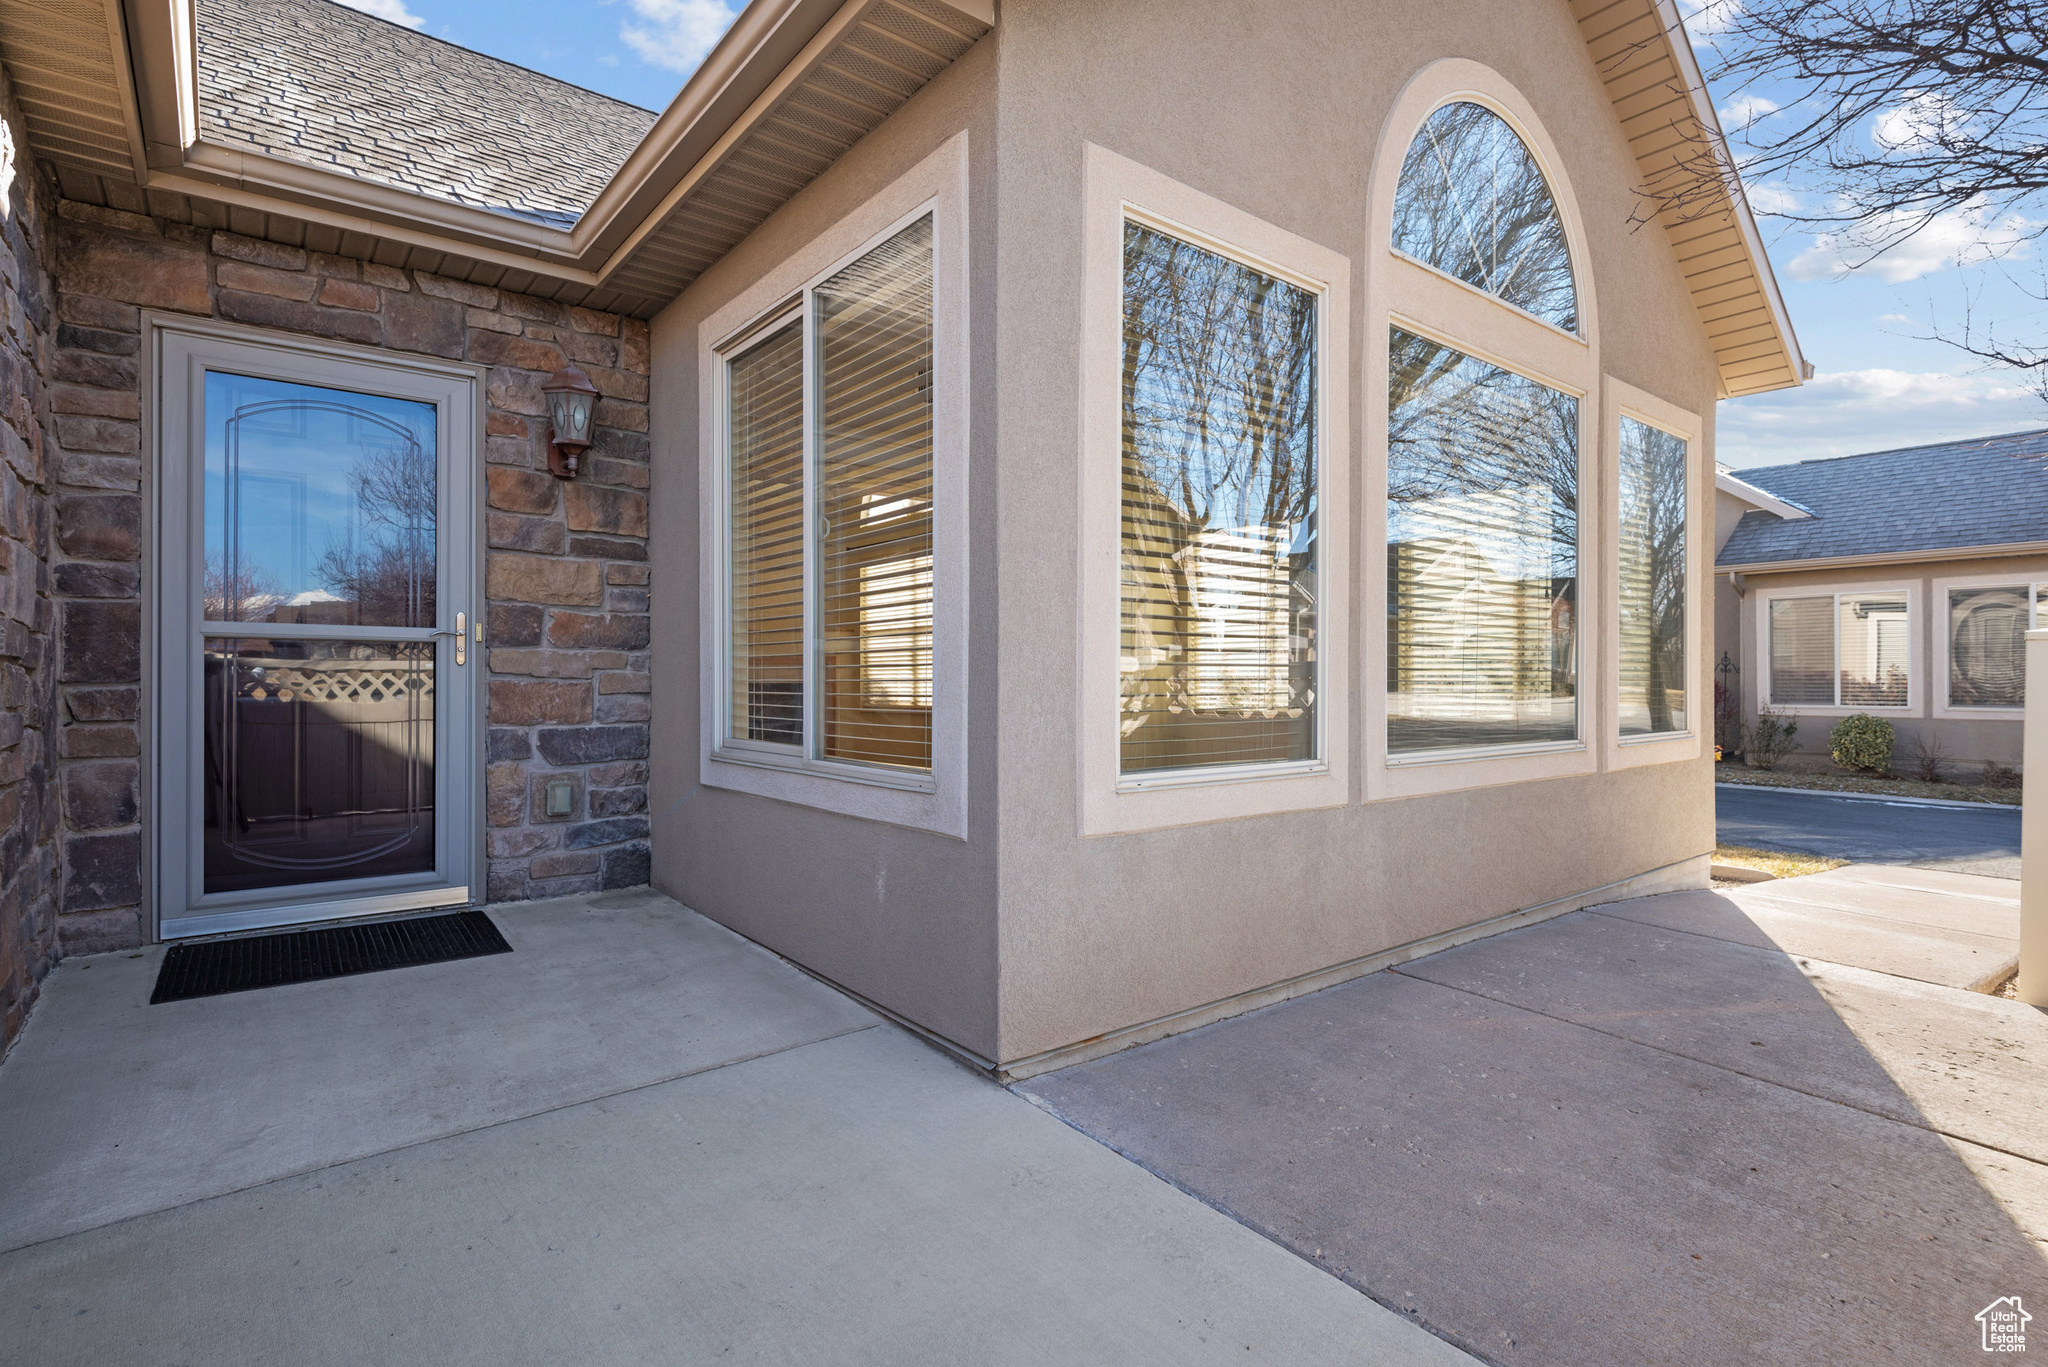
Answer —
1772 197
1744 110
391 11
1925 118
677 34
1968 236
1893 318
1707 20
1841 413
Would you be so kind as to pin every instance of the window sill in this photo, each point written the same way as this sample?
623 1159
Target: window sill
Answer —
1215 774
1654 738
1483 752
844 773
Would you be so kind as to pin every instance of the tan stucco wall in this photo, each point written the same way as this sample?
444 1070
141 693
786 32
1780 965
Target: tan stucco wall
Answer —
1278 110
1965 740
903 917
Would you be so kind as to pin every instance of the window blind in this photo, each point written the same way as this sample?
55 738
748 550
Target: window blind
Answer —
1482 553
1653 682
1987 647
874 338
765 410
1871 649
1218 642
1803 651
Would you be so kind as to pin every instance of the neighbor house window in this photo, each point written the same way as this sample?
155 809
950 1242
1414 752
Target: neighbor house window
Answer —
1482 554
1653 675
1987 643
829 458
1840 650
1219 589
1473 203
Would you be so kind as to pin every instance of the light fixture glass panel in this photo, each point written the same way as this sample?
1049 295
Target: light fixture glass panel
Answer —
1473 203
1482 554
1653 664
1218 642
1987 647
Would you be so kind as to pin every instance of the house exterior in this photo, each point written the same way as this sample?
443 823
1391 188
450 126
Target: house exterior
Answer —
1897 583
1079 537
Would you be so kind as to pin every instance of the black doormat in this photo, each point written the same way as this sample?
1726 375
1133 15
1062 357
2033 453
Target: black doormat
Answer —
300 956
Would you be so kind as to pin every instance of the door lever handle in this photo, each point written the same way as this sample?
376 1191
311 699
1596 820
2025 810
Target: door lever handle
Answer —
461 635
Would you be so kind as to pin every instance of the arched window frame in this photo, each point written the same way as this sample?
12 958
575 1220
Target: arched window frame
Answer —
1403 292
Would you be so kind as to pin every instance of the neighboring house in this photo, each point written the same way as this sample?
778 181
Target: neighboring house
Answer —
1898 583
978 589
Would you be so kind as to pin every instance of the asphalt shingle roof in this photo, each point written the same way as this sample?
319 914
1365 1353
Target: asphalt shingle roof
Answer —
327 86
1989 491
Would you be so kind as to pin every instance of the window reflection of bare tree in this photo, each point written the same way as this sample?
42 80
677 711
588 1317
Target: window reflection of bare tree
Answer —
385 566
1219 442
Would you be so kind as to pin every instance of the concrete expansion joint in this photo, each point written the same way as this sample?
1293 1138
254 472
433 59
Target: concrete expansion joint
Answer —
428 1140
1918 1124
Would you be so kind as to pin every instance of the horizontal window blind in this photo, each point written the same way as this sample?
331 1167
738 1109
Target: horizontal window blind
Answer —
874 338
1871 649
765 410
1653 681
1803 651
1987 647
1217 659
1482 554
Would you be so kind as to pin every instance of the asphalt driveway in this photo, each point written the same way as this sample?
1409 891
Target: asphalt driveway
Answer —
1967 839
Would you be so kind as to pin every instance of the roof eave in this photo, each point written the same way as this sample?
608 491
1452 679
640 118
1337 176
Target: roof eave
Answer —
1993 551
1762 499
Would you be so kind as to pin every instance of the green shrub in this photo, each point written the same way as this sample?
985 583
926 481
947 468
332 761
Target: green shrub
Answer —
1862 742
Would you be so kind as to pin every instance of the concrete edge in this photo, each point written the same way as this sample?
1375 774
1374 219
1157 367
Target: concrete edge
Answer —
1735 873
1874 797
1686 874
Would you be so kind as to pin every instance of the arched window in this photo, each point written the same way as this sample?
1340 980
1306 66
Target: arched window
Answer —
1473 204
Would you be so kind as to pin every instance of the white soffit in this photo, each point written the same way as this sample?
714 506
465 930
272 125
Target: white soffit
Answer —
1646 62
69 67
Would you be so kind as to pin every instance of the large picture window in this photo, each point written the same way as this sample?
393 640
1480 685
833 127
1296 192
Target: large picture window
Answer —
1987 643
1840 650
1652 561
1219 565
1482 554
829 459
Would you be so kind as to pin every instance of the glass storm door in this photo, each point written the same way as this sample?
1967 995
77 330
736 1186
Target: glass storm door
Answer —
316 701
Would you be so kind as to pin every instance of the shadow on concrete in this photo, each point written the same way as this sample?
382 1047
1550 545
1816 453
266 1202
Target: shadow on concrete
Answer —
1604 1141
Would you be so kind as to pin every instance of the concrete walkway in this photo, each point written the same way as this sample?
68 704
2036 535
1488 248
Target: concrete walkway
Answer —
637 1139
1659 1131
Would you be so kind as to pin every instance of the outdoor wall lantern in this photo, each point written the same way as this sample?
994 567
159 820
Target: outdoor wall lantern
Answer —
570 398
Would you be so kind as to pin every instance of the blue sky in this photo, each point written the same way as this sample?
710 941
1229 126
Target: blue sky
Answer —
1880 383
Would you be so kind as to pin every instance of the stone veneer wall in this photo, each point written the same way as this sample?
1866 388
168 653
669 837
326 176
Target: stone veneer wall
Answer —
567 581
28 808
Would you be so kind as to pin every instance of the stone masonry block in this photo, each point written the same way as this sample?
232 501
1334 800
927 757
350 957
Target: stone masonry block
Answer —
103 704
111 436
609 831
102 871
624 707
432 326
628 866
100 526
515 624
98 742
505 742
98 581
132 269
233 275
520 842
615 512
523 702
476 296
524 491
102 642
565 864
592 744
258 252
504 794
542 579
597 631
350 294
506 531
97 796
520 353
289 314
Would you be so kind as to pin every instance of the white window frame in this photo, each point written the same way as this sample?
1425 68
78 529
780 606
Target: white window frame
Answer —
1402 292
1916 661
1938 621
934 800
1621 400
1112 802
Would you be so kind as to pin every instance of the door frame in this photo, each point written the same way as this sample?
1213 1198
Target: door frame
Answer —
176 909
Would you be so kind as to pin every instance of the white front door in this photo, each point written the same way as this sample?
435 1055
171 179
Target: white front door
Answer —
318 631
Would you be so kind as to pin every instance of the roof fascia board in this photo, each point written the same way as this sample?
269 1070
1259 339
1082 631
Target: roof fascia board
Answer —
161 56
1921 557
1697 96
124 81
1759 498
794 71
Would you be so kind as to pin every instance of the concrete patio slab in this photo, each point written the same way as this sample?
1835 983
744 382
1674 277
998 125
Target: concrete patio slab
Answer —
861 1200
1834 934
111 1107
1544 1192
